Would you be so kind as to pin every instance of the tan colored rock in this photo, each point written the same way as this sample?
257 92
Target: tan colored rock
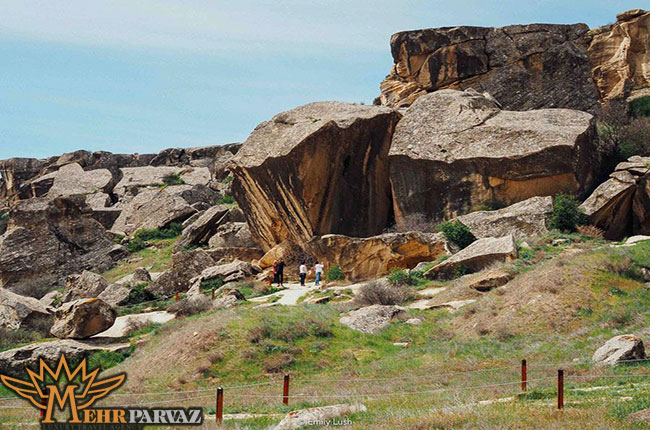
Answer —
620 54
72 179
523 219
485 280
154 176
278 251
320 168
230 272
85 285
20 312
372 319
83 318
620 349
477 256
454 150
185 266
621 205
372 257
233 234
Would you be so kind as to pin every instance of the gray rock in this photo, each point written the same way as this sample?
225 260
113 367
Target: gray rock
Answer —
372 319
319 416
477 256
200 231
229 272
226 255
413 321
486 280
232 235
228 299
134 178
86 285
185 266
53 298
72 179
524 219
82 318
618 349
20 312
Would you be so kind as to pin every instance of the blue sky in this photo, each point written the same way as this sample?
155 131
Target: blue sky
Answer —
139 76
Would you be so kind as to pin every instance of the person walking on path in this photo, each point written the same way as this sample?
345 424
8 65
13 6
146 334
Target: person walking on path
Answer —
279 268
275 272
303 273
318 270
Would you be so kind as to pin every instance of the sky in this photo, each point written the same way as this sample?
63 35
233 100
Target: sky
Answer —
138 76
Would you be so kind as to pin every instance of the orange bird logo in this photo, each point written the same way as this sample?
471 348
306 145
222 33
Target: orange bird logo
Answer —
78 395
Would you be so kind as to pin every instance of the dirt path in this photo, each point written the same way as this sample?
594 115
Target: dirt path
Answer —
121 325
289 296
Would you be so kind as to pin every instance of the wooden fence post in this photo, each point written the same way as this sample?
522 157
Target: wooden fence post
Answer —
219 412
524 376
285 390
560 389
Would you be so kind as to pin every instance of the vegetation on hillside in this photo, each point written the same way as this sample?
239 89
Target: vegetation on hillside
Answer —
142 237
457 233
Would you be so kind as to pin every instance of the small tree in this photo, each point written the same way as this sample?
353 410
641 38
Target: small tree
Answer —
567 215
335 273
457 233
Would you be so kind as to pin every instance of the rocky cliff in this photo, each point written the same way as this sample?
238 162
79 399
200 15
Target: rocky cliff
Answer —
523 66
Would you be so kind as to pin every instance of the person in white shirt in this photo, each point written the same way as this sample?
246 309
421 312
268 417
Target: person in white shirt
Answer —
318 270
303 273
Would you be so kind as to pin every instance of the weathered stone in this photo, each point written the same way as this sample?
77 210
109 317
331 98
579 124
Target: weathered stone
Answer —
53 299
620 349
486 280
20 312
200 231
200 195
230 272
72 179
82 318
523 66
228 299
451 306
232 235
85 285
620 53
524 219
115 294
323 414
134 178
621 205
152 208
226 255
477 256
14 361
16 171
320 168
371 257
272 255
49 239
185 266
372 319
454 150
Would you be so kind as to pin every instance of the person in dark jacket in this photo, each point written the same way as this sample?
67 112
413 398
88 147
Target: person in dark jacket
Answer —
279 268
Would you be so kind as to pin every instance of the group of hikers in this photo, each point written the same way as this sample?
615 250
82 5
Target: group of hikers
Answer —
278 272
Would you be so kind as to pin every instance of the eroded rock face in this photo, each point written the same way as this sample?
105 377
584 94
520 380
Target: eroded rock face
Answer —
205 226
230 272
621 205
230 235
619 349
83 318
372 257
72 179
48 239
454 150
372 319
317 169
20 312
477 256
523 66
620 54
85 285
524 219
185 266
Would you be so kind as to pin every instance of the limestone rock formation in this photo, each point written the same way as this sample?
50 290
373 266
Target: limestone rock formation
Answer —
485 280
20 312
320 168
72 179
134 178
371 319
185 266
228 254
115 294
204 227
231 235
371 257
477 256
523 219
230 272
83 318
48 239
620 54
85 285
454 150
621 205
619 349
523 66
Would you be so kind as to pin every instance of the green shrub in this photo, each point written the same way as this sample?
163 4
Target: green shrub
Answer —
227 180
457 233
215 283
141 237
378 293
335 273
226 200
173 179
403 277
640 106
278 326
139 294
4 217
12 338
107 359
567 215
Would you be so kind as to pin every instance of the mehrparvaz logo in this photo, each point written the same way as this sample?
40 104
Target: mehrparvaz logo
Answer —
76 390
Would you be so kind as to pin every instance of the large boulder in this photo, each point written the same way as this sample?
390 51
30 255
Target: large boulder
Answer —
372 319
372 257
455 150
226 254
115 294
620 54
47 240
229 272
318 169
523 66
185 266
205 226
523 219
619 349
83 318
20 312
136 178
621 205
72 179
14 361
319 416
232 235
15 172
477 256
85 285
